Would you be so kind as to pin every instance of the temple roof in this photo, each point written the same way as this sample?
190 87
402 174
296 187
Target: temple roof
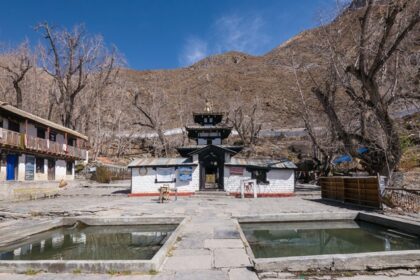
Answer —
208 127
189 150
263 163
216 117
193 130
160 162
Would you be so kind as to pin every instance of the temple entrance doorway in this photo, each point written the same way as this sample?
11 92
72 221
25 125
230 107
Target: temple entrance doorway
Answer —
211 170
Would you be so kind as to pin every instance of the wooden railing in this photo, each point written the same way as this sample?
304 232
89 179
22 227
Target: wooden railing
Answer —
17 140
36 144
11 138
76 152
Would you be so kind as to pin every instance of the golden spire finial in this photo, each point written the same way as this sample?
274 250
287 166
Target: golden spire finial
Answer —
208 107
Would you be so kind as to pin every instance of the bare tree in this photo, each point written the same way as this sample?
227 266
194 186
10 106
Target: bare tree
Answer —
323 141
17 63
245 120
74 60
150 106
366 75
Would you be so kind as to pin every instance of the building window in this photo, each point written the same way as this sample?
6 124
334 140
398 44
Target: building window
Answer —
40 132
69 168
260 175
14 126
70 141
53 136
40 165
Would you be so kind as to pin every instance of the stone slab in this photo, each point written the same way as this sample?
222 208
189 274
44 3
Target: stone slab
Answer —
190 243
223 243
242 274
220 233
177 263
230 258
201 275
191 252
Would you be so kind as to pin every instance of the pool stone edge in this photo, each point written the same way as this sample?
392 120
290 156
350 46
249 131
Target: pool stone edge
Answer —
341 262
99 266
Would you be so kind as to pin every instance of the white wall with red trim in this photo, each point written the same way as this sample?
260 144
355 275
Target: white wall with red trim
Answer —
144 181
280 181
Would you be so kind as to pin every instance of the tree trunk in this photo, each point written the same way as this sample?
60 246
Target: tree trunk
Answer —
19 99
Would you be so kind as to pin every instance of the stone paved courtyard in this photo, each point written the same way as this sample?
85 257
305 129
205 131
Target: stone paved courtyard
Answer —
209 246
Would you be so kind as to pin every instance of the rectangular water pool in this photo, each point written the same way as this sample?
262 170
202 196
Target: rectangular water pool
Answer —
286 239
110 242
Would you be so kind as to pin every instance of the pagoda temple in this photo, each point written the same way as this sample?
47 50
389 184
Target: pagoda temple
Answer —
210 164
209 134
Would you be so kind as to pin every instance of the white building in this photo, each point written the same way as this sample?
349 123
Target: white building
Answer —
35 150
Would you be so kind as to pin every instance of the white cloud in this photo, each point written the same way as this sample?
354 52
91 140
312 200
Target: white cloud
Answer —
228 33
194 50
240 33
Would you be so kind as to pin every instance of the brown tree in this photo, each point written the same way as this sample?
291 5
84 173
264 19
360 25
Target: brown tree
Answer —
323 140
74 60
369 74
149 105
16 63
245 119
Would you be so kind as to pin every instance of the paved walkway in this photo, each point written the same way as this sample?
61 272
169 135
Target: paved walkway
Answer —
209 246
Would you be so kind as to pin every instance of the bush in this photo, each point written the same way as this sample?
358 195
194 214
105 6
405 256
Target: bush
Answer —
79 168
102 175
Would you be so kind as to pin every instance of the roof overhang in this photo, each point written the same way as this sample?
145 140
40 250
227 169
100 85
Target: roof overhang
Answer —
38 120
214 147
160 162
193 131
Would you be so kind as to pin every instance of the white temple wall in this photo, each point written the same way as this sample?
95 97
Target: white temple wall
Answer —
147 183
281 181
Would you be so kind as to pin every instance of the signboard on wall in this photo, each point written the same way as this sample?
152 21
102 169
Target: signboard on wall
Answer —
236 170
29 168
165 174
185 173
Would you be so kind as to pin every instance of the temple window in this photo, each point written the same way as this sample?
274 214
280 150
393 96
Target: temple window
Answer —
260 175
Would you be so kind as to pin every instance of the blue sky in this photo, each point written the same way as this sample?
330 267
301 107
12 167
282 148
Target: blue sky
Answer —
164 34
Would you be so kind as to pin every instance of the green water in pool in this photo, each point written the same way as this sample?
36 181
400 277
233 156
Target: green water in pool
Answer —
285 239
139 242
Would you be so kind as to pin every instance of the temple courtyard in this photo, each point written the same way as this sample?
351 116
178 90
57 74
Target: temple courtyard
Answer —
209 245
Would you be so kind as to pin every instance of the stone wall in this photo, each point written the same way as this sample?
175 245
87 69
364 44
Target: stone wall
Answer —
26 190
407 180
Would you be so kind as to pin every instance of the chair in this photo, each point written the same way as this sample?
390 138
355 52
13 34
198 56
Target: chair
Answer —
163 193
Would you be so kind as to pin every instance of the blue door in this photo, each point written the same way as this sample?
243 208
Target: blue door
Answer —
10 167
